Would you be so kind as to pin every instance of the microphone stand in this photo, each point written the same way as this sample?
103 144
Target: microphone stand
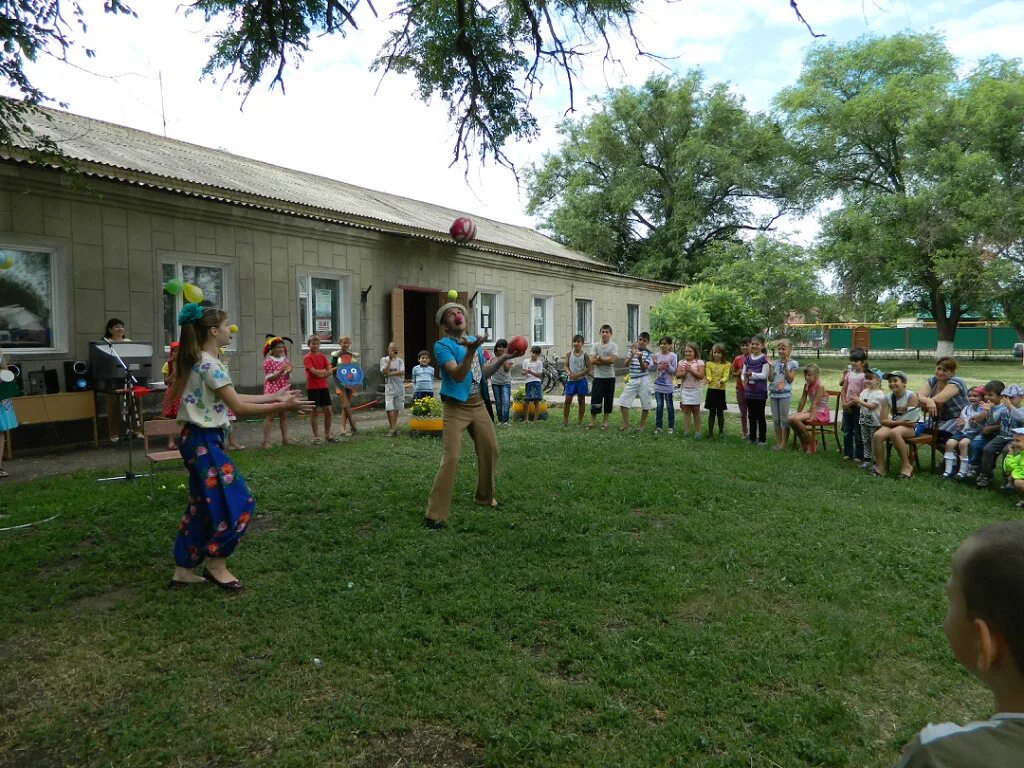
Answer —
128 410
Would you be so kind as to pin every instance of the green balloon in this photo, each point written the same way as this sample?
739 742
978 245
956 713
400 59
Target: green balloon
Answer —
174 286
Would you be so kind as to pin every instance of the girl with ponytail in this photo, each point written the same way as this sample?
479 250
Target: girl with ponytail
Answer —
219 503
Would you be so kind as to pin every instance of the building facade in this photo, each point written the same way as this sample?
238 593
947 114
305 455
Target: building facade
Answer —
282 252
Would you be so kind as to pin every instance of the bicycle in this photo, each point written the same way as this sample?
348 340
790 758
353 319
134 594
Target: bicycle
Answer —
551 377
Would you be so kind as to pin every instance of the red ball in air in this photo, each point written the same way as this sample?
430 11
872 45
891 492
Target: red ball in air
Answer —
517 346
463 229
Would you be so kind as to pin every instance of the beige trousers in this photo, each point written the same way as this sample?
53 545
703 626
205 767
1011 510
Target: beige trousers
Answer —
459 417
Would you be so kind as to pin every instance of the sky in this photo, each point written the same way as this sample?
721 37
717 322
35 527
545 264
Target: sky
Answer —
339 120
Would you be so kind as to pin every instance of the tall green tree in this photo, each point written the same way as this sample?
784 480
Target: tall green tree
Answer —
705 314
660 173
883 126
774 276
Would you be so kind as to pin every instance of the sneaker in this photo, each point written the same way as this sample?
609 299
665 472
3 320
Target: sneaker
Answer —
698 436
671 431
657 430
983 481
1019 504
948 475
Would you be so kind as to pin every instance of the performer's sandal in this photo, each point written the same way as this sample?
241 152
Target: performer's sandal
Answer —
230 586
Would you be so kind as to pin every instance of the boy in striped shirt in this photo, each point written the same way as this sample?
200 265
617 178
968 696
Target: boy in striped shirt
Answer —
639 384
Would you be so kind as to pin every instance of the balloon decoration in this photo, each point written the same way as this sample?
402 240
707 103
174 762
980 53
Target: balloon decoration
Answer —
173 286
348 373
193 294
8 262
453 294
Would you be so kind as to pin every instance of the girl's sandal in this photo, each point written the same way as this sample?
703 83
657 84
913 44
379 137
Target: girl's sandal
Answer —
3 473
902 476
876 473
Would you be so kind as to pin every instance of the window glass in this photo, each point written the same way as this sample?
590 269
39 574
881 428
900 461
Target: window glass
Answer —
322 308
541 320
632 321
585 319
487 315
210 280
27 299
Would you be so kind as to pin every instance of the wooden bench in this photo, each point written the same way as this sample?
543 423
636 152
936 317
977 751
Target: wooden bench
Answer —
160 428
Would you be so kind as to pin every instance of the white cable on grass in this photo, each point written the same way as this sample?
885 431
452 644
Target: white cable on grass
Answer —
29 525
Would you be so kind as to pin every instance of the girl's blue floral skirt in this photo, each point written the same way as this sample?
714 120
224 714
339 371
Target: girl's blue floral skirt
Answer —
219 503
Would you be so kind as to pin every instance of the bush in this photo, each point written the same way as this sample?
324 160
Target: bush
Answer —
705 314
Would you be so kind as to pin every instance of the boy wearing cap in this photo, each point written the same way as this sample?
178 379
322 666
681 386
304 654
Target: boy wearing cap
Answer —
463 368
1009 416
869 401
965 429
985 591
1014 464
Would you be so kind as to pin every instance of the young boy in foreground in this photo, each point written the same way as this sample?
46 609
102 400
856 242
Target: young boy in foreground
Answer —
985 629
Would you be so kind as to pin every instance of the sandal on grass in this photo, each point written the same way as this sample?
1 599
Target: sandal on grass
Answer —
3 473
228 586
876 473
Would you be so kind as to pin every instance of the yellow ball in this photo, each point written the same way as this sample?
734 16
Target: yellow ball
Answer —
233 328
453 294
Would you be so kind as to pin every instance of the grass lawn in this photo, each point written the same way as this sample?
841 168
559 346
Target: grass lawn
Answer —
635 602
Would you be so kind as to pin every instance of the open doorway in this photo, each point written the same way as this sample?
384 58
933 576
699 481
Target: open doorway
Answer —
412 321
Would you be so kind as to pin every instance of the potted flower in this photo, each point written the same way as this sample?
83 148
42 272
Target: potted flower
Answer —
426 416
519 405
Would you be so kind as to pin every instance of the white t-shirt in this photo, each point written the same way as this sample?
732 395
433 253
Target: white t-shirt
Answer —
873 416
393 385
200 404
605 370
533 369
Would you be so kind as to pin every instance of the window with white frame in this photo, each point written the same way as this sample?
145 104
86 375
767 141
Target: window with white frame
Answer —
214 280
543 319
33 312
323 307
489 315
632 321
584 324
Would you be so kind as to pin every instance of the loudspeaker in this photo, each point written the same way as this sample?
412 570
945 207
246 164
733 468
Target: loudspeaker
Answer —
45 381
77 377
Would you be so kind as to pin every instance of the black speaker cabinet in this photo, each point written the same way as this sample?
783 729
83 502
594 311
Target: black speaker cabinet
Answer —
45 381
77 377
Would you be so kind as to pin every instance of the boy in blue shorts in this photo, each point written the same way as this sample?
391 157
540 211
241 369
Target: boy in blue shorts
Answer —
533 369
577 366
986 634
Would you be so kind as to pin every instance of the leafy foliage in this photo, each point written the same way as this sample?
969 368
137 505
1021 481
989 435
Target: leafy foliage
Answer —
660 173
705 314
774 276
885 127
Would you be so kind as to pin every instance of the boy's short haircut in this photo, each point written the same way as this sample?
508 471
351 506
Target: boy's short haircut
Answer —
535 350
421 353
607 328
858 354
745 340
995 386
666 340
578 337
501 344
644 335
947 364
992 579
313 338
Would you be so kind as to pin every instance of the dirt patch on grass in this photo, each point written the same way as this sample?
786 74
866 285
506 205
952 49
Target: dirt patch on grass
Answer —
263 523
103 602
422 746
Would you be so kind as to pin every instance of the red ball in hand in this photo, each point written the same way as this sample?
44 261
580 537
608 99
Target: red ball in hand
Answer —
517 346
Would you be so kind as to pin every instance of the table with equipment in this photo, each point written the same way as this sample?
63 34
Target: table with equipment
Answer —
47 409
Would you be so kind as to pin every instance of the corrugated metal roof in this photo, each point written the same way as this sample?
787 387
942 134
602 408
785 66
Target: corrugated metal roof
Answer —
127 154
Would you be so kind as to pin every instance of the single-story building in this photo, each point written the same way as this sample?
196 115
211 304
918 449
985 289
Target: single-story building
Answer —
282 251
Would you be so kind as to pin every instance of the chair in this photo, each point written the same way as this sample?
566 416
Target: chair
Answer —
820 428
927 438
158 428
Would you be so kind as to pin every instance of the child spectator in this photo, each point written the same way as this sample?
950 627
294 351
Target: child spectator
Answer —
277 370
392 367
577 366
665 362
8 420
780 393
900 414
717 372
870 403
639 384
1014 465
318 369
423 376
602 393
986 635
850 387
756 368
1009 416
988 423
815 397
169 404
501 384
741 390
533 369
343 354
691 370
485 388
965 429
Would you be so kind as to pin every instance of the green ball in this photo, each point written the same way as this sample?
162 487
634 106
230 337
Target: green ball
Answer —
453 294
